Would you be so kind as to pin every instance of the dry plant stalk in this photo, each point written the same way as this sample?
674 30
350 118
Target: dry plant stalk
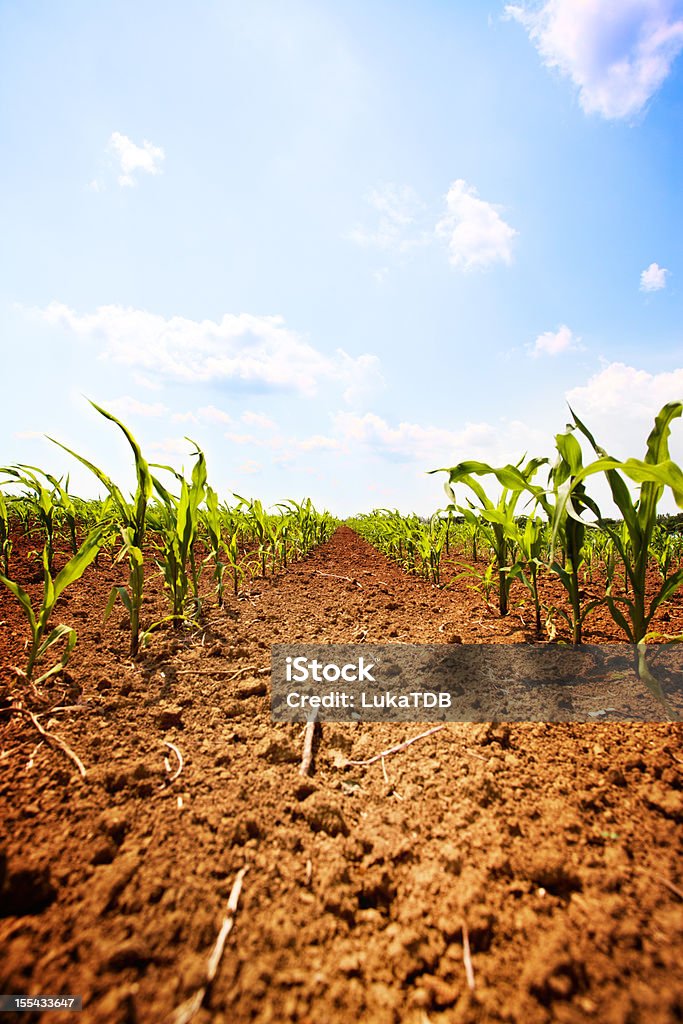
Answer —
336 576
467 956
186 1011
400 746
309 733
179 769
53 740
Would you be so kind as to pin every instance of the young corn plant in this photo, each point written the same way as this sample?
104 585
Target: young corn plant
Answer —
40 500
179 522
634 612
130 516
515 481
570 502
530 541
5 538
213 524
43 638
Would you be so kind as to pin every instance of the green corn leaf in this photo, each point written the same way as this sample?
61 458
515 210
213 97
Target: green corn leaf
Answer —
667 590
57 634
77 565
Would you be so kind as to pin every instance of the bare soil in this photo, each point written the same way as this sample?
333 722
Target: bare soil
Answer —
552 851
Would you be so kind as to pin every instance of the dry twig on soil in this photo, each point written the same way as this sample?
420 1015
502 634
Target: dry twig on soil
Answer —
65 707
53 740
222 672
309 733
179 769
186 1011
467 956
336 576
664 881
400 746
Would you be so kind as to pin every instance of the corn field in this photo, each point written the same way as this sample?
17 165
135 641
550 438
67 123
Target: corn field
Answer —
537 522
172 526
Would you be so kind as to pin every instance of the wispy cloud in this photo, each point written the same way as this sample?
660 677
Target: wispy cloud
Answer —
318 442
250 468
554 343
400 210
257 353
257 419
476 234
132 159
211 414
653 279
171 446
429 446
616 52
127 406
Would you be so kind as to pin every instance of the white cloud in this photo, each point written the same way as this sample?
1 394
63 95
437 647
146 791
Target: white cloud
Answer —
318 442
243 439
628 392
252 352
617 52
149 383
131 158
619 404
250 467
170 446
400 209
430 446
476 233
553 343
257 419
128 406
653 279
210 414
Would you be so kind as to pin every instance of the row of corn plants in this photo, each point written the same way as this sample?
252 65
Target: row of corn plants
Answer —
172 526
526 527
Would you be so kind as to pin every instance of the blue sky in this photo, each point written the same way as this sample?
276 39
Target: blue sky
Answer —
338 244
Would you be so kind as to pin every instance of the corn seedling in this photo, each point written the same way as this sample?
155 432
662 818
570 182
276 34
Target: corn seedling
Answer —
500 517
633 613
179 519
131 521
38 619
40 501
570 502
5 539
213 524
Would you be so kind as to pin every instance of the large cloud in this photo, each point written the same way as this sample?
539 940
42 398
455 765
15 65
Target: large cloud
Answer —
252 352
619 405
617 52
429 446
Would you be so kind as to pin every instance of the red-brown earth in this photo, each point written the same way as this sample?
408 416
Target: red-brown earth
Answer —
553 849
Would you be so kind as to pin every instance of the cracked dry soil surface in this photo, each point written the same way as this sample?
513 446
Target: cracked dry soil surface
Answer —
554 851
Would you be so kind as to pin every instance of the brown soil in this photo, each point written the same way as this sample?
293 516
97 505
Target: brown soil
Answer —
553 849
